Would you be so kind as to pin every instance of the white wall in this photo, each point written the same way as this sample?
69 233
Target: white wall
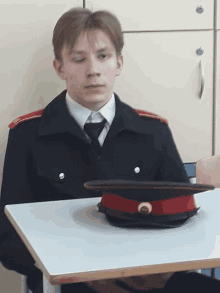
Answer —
28 80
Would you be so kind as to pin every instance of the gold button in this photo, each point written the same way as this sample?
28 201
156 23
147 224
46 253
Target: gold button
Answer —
137 169
145 208
61 176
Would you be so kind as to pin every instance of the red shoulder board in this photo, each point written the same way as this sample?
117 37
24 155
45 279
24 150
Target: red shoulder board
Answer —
151 115
26 117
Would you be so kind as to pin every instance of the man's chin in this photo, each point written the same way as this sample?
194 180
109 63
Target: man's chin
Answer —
93 102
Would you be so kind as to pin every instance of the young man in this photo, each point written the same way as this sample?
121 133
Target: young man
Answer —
51 153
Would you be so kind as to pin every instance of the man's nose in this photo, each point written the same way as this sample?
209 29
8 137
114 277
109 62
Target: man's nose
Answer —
93 67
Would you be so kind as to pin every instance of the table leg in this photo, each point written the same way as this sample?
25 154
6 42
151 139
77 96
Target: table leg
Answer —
48 288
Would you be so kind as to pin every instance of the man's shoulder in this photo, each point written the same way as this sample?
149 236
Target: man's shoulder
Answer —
26 117
145 115
36 115
151 116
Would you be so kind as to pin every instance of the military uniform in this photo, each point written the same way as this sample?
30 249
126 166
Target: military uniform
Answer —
48 157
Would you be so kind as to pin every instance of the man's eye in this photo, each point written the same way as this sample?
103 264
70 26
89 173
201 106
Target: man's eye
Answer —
78 60
103 56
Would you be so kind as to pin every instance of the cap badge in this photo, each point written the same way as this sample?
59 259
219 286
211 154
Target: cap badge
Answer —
145 208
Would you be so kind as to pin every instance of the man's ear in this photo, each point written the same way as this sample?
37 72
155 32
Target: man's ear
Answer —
119 64
59 68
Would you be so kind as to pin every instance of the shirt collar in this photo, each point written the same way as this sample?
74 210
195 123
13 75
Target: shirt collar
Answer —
81 114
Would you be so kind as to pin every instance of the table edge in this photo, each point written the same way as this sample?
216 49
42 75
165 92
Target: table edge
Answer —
133 271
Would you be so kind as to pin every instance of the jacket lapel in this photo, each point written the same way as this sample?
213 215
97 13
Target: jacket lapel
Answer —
126 118
56 119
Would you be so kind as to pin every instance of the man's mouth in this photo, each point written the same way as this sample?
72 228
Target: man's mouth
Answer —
94 85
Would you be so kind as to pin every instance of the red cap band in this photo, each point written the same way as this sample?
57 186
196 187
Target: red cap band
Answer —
175 205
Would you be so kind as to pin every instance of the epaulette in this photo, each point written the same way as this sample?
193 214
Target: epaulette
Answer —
151 115
25 117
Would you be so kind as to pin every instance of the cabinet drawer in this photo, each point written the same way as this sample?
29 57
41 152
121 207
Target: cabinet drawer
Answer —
150 15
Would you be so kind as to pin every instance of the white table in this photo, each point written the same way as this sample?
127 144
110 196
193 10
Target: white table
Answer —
72 242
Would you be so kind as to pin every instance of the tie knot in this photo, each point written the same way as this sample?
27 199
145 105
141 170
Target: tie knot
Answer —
94 129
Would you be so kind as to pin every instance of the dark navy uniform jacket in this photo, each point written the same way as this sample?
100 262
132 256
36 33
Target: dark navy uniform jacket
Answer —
39 150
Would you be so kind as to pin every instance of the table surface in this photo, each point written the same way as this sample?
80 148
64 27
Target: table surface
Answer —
72 242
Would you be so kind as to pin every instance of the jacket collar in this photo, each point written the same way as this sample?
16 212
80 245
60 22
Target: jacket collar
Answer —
56 119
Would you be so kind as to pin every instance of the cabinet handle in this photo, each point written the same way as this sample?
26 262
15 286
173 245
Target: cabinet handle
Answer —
202 75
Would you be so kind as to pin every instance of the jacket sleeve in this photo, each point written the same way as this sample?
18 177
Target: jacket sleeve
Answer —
15 189
172 168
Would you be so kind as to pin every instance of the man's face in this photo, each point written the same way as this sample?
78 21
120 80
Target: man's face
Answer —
90 69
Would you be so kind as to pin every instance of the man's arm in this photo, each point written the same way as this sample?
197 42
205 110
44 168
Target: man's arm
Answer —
15 189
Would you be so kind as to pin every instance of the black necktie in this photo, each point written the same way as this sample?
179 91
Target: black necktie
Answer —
93 130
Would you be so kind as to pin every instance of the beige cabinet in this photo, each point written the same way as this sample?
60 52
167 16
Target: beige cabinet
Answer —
159 15
162 74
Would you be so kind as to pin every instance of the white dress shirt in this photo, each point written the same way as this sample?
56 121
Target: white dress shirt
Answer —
83 115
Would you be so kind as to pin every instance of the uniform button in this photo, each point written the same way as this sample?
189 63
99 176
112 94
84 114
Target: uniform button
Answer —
137 169
61 176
